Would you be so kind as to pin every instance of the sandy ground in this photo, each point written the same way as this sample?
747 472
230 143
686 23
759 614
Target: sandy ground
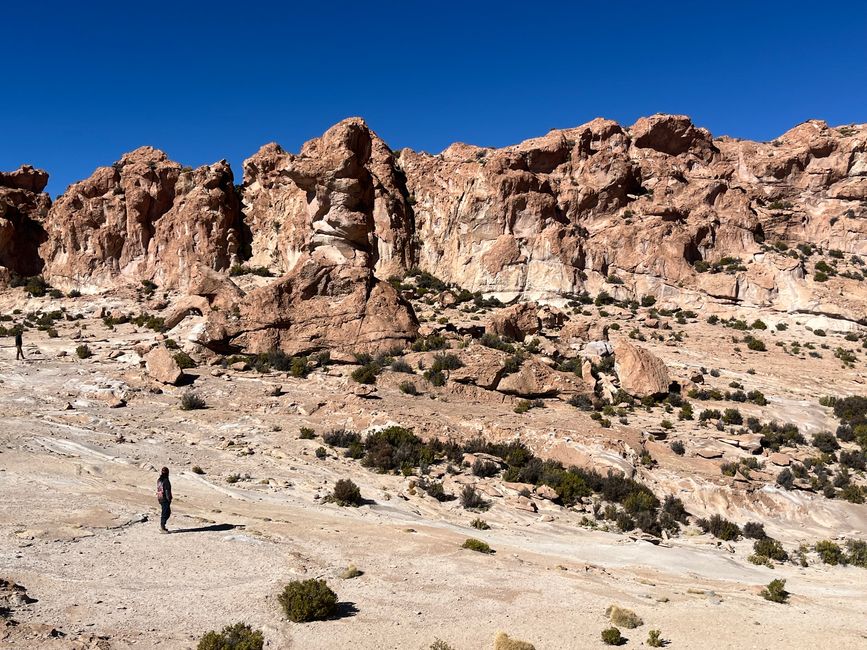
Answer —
77 475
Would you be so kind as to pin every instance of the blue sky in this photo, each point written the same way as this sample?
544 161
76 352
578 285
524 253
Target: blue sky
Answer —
85 82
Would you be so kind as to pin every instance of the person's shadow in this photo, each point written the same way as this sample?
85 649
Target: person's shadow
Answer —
213 528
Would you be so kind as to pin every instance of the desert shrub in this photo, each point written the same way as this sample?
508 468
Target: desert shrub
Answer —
728 469
525 405
504 642
770 548
654 639
709 414
306 433
393 447
346 493
720 528
439 644
321 453
830 553
775 435
308 600
851 410
399 365
581 402
435 377
678 448
367 373
239 636
485 468
490 340
648 301
83 352
759 324
435 490
184 360
340 438
472 500
856 460
233 478
856 552
612 636
755 344
191 401
825 442
512 364
754 530
476 545
732 416
775 591
623 617
429 343
75 293
480 524
408 388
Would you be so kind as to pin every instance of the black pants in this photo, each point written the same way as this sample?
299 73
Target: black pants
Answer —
19 353
166 512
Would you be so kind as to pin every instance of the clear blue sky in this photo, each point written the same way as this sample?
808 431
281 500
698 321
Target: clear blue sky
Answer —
83 82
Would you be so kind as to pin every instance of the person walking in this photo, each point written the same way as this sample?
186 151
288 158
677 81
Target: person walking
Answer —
19 343
164 497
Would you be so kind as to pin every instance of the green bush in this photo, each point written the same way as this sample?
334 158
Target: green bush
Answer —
678 448
306 433
184 360
612 636
83 352
346 493
408 388
654 639
480 524
308 600
477 545
367 373
770 548
830 553
856 552
239 636
775 591
825 442
472 500
321 453
720 528
190 401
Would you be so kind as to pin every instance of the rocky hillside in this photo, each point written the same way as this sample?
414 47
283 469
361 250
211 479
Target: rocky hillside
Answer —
660 208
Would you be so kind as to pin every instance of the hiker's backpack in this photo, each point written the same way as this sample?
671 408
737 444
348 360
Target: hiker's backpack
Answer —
161 491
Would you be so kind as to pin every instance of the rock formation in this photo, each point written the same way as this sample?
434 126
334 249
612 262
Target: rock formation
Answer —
23 209
641 373
143 218
326 198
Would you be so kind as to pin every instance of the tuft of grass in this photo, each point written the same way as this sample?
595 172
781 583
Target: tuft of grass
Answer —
197 470
477 545
654 639
775 591
306 433
623 617
350 572
504 642
190 401
83 352
480 524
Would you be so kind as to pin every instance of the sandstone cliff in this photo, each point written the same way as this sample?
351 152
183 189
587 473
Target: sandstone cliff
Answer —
23 209
143 218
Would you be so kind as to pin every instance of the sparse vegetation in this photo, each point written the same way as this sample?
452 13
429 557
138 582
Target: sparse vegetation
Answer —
477 545
191 401
239 636
83 352
775 591
612 636
308 600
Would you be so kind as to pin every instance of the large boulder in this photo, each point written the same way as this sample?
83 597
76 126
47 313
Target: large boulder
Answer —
535 379
515 322
640 372
161 366
482 366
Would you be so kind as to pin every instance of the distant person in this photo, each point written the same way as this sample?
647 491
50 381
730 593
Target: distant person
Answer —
164 496
19 344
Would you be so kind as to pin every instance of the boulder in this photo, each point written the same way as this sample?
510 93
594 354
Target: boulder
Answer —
535 379
161 366
641 373
515 322
482 366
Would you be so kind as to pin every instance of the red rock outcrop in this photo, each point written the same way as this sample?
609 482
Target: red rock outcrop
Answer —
325 199
143 218
23 209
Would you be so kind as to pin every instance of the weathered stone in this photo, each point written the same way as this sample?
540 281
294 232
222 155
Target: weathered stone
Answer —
641 374
161 365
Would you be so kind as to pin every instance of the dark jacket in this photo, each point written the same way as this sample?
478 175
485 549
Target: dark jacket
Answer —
167 489
18 340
